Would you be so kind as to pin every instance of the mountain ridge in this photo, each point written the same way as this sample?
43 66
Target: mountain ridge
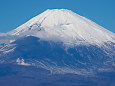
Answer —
66 26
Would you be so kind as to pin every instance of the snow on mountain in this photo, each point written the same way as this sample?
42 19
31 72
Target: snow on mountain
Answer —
7 38
41 42
65 26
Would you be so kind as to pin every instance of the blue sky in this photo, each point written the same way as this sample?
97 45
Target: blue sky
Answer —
13 13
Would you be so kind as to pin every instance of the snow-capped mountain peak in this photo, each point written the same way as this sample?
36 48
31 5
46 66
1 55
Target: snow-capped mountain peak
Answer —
35 43
66 26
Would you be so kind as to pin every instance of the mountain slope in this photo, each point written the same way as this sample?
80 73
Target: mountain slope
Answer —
58 58
62 42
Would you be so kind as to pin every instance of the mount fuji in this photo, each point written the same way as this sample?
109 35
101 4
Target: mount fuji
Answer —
61 42
65 26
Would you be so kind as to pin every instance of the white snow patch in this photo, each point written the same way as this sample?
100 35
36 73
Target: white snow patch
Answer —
21 62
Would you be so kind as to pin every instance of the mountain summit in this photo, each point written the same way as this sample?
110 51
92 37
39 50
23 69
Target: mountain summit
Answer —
65 26
61 41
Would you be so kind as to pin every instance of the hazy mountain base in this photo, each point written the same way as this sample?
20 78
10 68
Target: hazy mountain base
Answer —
16 75
51 54
57 57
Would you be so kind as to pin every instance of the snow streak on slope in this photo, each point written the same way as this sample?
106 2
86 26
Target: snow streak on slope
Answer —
65 26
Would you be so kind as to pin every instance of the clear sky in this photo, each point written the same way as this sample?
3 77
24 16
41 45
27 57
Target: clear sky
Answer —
13 13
